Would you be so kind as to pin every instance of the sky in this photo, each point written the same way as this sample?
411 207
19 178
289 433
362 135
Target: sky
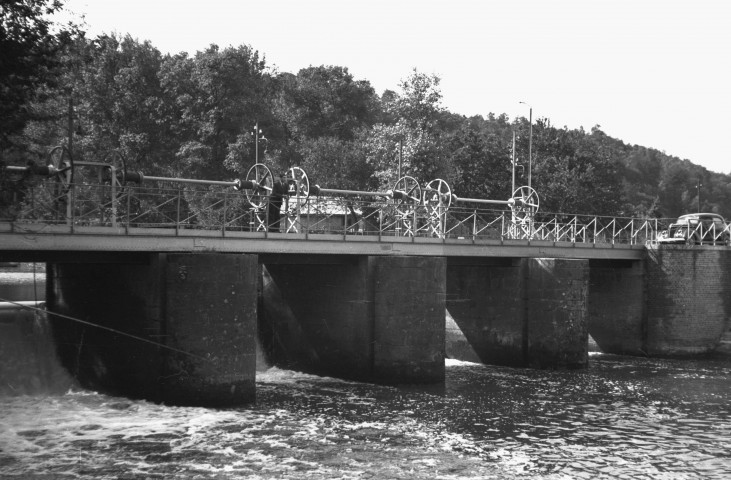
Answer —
648 72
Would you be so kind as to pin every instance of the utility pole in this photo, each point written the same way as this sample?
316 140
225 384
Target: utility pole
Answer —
400 156
256 141
513 160
699 194
530 143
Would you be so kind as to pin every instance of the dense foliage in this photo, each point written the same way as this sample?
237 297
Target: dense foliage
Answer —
194 116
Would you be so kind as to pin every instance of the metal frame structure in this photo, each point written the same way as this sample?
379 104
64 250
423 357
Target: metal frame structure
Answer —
65 193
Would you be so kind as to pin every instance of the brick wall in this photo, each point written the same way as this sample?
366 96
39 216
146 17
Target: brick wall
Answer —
688 301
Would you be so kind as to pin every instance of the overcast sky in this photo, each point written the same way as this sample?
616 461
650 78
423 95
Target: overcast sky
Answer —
652 73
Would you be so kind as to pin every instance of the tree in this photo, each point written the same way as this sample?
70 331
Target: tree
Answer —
572 174
413 136
325 101
28 60
216 99
118 100
482 163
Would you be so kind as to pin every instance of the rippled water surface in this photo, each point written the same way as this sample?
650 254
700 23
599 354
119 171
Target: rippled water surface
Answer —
624 417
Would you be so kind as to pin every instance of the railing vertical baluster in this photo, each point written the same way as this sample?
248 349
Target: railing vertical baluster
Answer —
177 214
129 201
70 207
223 223
415 226
632 232
474 225
115 200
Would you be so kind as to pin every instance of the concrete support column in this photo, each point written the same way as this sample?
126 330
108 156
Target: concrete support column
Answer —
557 292
369 318
178 328
210 314
519 312
408 314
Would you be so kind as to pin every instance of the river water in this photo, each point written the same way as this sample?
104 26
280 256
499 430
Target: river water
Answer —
623 417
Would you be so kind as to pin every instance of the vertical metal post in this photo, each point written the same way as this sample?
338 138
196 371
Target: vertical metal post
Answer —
530 143
177 215
266 219
400 156
415 227
114 196
70 207
474 225
129 201
530 148
223 223
513 160
632 232
256 141
69 211
614 229
699 194
443 221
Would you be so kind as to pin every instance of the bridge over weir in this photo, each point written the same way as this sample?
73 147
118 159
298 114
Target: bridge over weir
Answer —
346 285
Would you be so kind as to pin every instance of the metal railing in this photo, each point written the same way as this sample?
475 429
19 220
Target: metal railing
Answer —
218 209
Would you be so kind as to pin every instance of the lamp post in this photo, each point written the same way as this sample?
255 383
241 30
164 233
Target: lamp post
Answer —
530 143
699 194
256 132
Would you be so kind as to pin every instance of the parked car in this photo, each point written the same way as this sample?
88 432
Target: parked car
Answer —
697 229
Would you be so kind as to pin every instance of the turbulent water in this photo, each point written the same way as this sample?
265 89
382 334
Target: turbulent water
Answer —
622 418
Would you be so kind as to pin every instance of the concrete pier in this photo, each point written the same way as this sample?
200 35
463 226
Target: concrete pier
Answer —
177 328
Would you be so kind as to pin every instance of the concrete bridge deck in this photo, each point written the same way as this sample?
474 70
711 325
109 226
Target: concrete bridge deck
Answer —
20 242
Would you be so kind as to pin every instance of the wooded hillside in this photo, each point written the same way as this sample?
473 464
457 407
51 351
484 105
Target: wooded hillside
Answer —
194 116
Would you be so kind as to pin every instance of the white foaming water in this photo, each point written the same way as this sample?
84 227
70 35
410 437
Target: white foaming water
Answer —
623 417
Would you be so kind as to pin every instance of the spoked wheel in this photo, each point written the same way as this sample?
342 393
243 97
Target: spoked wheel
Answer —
406 195
259 177
298 187
63 169
524 203
438 195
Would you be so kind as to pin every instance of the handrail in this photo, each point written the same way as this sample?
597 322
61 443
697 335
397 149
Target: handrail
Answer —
193 206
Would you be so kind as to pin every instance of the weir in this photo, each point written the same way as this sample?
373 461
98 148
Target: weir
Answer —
167 302
183 328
